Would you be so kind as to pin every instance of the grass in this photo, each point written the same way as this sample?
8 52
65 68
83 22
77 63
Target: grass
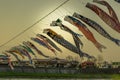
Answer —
48 75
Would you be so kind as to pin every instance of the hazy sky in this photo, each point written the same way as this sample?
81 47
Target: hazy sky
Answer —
17 15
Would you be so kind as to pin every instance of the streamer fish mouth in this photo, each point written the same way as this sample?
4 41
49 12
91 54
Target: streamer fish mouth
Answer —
53 24
69 19
32 38
74 14
56 23
77 15
25 43
46 30
41 36
28 43
89 5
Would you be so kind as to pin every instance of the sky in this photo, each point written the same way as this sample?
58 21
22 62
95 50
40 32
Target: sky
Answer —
17 15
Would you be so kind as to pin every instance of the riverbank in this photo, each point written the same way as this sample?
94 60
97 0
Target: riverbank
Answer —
58 76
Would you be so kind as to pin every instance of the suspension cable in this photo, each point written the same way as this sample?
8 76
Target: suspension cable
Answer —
34 23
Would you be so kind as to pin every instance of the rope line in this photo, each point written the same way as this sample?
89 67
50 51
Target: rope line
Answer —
34 24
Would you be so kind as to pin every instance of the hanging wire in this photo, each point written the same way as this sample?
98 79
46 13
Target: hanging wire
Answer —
34 24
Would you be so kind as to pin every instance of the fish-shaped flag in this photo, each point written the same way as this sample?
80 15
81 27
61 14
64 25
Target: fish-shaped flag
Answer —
3 56
75 36
110 9
49 41
83 28
13 49
8 58
44 43
93 24
60 40
18 59
39 41
31 45
24 52
28 49
117 1
110 20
